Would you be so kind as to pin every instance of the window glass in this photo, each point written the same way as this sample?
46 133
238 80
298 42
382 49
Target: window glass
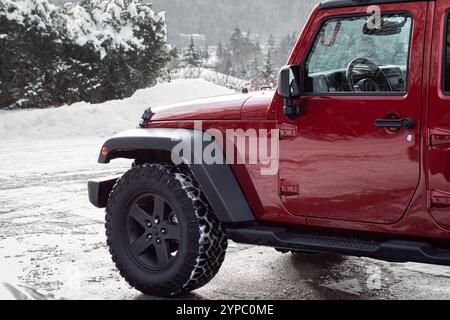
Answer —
447 58
360 55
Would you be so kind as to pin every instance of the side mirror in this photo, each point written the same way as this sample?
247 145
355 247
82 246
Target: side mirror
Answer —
289 82
289 89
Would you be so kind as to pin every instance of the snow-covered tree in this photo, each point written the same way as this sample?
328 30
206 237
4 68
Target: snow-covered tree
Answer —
284 48
268 73
191 56
94 51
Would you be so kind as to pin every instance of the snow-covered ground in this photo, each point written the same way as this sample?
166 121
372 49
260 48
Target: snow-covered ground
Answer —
210 75
100 120
52 239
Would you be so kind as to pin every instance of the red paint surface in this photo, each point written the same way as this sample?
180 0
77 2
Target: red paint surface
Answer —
226 107
347 168
350 174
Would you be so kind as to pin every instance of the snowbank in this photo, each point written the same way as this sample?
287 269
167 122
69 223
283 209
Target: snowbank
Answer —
211 76
100 120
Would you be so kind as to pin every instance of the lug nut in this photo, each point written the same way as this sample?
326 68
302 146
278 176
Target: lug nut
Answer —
157 221
163 231
158 241
149 237
149 224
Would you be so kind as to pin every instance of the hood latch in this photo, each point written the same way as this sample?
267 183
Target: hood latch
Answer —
146 117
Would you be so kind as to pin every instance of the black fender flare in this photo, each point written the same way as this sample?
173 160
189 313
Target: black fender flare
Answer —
217 181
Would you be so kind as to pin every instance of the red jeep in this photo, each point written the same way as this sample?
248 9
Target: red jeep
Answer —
356 159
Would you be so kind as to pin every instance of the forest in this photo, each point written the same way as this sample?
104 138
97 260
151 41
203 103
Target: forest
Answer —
55 52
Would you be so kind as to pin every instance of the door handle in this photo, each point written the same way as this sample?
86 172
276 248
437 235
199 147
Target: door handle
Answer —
406 123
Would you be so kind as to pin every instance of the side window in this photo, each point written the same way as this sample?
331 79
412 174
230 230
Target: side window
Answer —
447 58
356 55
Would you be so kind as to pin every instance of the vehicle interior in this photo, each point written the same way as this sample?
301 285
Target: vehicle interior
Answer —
358 55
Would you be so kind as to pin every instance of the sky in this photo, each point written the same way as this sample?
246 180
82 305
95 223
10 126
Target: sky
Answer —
217 19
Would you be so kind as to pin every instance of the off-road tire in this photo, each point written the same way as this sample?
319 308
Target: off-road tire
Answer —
202 241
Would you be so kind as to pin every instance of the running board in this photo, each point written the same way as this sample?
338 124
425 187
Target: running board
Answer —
392 250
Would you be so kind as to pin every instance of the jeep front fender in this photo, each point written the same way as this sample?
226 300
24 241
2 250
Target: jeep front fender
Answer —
217 181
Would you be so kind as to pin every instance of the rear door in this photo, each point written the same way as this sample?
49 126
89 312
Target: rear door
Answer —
344 158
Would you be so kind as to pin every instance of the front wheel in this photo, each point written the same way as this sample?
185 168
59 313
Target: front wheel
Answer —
162 234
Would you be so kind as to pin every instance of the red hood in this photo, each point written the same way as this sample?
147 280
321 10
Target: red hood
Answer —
228 107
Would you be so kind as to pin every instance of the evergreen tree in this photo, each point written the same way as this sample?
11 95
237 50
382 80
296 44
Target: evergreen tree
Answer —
271 43
236 42
268 70
206 53
191 56
56 55
219 51
228 69
236 49
284 48
220 58
255 65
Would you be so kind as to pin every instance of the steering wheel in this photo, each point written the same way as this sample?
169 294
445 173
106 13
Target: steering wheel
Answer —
375 81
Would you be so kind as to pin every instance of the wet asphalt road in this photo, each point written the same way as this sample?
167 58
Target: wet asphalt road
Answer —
52 239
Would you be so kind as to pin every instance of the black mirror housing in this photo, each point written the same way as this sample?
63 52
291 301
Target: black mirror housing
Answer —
289 82
289 88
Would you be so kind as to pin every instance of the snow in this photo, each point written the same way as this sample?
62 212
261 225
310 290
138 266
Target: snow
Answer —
71 137
350 286
38 12
437 271
95 28
110 23
100 120
218 78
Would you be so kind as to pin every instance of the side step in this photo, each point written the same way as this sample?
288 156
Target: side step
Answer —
392 250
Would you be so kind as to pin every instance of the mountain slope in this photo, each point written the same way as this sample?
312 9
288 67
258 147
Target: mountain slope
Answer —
217 19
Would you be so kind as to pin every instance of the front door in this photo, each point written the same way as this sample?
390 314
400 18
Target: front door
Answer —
353 154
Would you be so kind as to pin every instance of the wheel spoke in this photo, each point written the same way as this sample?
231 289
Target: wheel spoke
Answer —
162 254
140 245
158 208
157 242
172 232
139 215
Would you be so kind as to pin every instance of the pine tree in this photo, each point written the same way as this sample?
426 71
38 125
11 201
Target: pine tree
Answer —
219 51
255 65
61 55
206 53
236 43
268 71
237 49
271 43
228 69
283 49
191 56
